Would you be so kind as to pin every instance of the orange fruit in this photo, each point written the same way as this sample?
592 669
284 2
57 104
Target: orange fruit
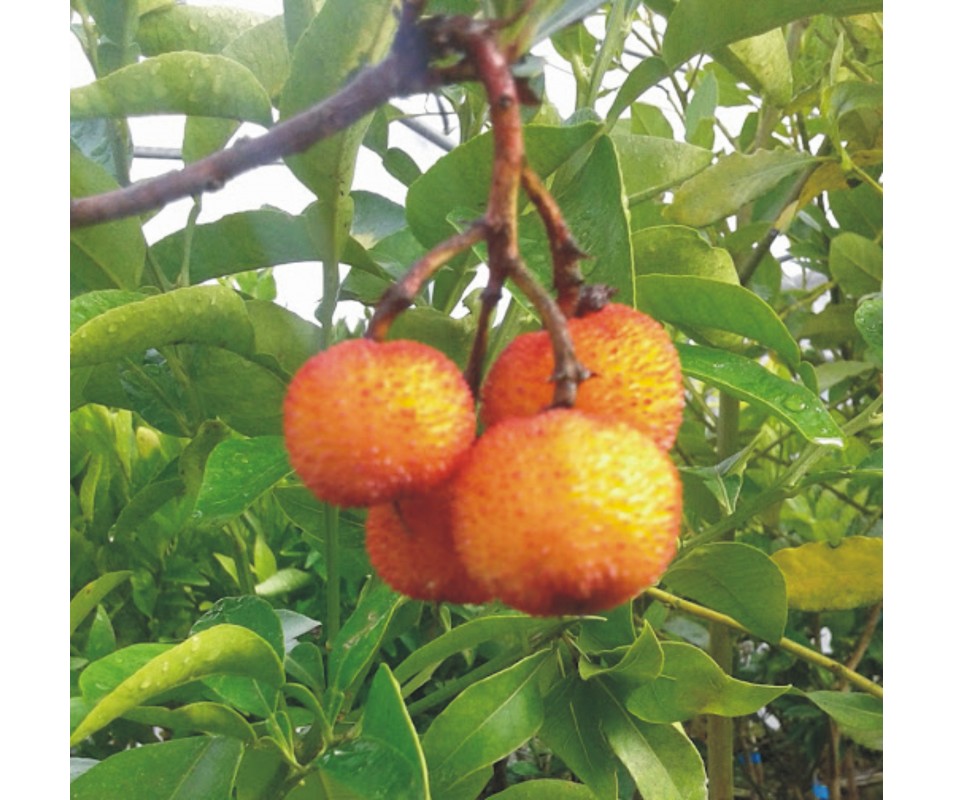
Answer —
636 374
566 513
410 546
366 421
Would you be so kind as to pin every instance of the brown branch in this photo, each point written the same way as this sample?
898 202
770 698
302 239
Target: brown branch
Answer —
404 71
401 294
566 254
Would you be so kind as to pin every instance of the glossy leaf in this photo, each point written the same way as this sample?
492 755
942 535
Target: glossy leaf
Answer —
460 179
283 581
484 723
856 263
661 759
239 391
744 378
731 183
106 256
608 630
652 164
197 767
203 30
699 26
860 716
104 675
237 473
501 629
200 314
699 303
322 61
869 319
87 598
360 638
386 760
735 579
213 719
639 663
691 683
250 612
573 729
227 649
546 789
820 577
176 83
678 250
763 63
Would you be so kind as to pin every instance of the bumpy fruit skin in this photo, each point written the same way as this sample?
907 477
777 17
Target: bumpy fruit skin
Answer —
367 421
410 545
636 374
565 513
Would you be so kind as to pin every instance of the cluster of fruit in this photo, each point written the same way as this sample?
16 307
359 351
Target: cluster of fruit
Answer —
552 511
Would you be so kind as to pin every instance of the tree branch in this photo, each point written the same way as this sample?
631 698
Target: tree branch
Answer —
406 70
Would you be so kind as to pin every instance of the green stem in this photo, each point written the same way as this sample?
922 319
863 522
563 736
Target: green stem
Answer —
796 649
616 31
720 737
333 570
185 269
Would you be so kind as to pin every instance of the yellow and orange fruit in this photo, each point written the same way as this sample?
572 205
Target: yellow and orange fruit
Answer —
636 374
410 545
566 513
366 422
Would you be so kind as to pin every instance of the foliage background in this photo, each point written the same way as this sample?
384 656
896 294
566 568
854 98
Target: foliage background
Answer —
914 511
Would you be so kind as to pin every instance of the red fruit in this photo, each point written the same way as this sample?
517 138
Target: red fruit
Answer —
366 421
565 513
410 546
636 374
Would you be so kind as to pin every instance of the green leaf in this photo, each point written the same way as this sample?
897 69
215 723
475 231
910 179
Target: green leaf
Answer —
386 760
176 83
106 256
284 581
609 630
678 250
213 719
484 723
653 164
360 638
503 630
639 663
203 30
264 51
322 61
594 208
700 303
820 577
869 319
691 683
546 789
573 729
732 182
104 675
763 63
699 26
661 759
238 472
744 378
197 767
856 263
200 314
250 612
737 580
228 649
645 75
860 716
461 178
87 598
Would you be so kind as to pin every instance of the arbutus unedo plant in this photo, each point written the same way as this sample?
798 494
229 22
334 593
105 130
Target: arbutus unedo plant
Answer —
473 633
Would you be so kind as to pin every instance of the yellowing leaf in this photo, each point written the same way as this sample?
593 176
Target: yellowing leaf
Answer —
824 578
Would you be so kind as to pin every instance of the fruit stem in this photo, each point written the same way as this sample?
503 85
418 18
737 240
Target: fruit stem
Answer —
401 294
566 254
